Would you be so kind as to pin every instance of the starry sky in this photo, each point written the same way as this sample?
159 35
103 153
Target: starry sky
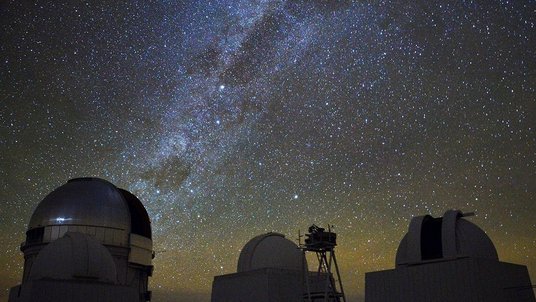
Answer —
233 118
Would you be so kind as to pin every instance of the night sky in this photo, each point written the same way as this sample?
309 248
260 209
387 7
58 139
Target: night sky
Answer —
233 118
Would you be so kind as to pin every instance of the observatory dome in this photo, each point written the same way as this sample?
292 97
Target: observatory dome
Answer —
271 250
447 237
74 256
83 201
91 206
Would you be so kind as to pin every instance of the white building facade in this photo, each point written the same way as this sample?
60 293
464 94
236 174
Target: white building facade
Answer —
448 259
87 241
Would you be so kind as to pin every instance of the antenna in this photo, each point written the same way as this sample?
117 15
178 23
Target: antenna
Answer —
299 238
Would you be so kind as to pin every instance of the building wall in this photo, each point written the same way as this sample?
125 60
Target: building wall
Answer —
129 275
262 285
72 291
464 279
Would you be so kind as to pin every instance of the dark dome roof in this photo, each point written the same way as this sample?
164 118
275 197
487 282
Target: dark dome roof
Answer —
447 237
271 250
83 201
73 256
92 201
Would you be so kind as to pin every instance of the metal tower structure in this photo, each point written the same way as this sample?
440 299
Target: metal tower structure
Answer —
320 285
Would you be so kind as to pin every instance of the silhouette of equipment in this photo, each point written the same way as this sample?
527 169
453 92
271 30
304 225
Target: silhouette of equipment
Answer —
322 243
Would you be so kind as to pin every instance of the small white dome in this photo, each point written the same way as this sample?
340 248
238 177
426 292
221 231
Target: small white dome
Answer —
74 256
271 250
447 237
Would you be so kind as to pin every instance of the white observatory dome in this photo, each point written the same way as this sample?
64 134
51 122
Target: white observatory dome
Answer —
447 237
83 201
271 250
74 256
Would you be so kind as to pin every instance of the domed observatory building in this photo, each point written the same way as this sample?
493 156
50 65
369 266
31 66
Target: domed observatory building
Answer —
87 241
448 259
269 269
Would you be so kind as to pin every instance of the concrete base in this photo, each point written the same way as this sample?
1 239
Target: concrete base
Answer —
462 279
69 291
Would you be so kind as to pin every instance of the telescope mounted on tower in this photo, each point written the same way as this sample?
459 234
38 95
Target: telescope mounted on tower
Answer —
322 243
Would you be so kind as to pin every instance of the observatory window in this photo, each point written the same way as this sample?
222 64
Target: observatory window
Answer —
431 246
139 220
35 235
